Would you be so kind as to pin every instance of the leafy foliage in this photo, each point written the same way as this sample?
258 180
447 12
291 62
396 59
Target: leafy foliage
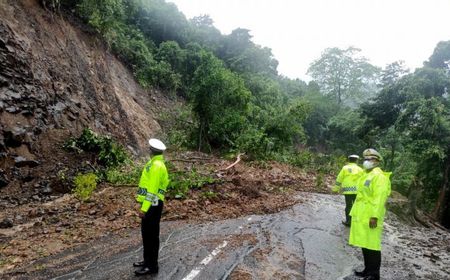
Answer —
109 153
220 101
410 120
440 57
181 182
183 126
124 175
344 75
85 184
237 102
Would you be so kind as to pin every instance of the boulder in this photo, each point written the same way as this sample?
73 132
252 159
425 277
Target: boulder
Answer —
47 190
22 162
6 223
14 137
3 179
400 205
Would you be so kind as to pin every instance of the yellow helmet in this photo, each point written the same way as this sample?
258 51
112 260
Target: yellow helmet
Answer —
372 154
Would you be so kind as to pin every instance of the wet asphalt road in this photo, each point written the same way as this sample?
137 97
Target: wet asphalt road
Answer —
307 241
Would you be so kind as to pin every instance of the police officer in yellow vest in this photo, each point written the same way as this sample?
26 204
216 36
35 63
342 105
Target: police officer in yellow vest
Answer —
346 183
374 187
150 196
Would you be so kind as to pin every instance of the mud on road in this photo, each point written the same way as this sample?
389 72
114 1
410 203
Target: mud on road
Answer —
43 228
306 241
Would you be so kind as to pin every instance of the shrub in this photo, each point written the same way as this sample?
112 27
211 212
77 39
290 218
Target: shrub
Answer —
109 153
124 176
181 182
85 184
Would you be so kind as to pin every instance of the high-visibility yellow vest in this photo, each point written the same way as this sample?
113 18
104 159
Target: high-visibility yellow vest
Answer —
347 179
374 187
153 183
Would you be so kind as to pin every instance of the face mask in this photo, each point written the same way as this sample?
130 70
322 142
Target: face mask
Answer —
368 164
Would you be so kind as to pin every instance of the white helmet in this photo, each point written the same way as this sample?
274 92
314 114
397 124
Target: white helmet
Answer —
353 156
156 145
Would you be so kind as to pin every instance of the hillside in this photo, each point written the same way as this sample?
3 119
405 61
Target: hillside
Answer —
56 80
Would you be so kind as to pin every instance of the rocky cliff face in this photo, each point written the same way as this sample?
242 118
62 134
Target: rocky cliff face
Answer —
56 80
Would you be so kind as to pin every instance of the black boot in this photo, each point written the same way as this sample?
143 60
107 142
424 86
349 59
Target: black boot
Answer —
138 264
372 277
361 273
146 270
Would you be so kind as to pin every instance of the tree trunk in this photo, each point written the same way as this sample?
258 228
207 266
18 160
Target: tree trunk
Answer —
415 192
200 131
339 93
443 194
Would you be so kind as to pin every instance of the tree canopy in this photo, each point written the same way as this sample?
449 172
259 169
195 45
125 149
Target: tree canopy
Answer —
236 101
344 75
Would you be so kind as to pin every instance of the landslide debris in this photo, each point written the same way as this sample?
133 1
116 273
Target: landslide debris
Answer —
42 228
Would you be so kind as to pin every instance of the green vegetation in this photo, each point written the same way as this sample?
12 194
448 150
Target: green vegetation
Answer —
108 152
182 181
232 86
108 163
85 184
237 102
124 175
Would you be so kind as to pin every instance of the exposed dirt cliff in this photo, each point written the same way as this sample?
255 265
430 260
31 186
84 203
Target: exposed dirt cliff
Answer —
55 80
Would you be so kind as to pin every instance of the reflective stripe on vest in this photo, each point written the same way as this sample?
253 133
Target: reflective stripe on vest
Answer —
349 189
141 191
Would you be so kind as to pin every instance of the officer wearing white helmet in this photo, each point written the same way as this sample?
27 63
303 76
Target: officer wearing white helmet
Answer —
374 187
150 196
346 183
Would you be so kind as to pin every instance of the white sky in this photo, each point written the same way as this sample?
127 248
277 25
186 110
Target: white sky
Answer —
298 31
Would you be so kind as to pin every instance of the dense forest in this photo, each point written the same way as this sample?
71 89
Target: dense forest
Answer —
236 101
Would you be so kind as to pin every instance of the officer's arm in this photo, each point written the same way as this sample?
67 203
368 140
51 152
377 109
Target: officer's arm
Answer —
152 187
141 184
380 194
338 185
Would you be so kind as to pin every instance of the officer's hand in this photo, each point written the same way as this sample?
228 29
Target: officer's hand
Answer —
373 222
141 214
138 211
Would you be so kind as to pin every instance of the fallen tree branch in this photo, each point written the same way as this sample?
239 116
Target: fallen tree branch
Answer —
192 159
436 224
238 159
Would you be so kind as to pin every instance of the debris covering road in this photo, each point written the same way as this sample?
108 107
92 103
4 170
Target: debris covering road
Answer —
306 241
38 229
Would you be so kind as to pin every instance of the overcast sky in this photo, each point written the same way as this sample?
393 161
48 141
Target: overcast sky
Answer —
298 31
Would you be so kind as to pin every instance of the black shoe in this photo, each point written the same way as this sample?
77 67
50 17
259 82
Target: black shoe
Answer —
361 273
372 277
146 270
138 264
347 224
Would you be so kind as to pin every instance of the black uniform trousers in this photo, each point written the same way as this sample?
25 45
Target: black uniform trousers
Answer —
349 200
150 234
372 262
